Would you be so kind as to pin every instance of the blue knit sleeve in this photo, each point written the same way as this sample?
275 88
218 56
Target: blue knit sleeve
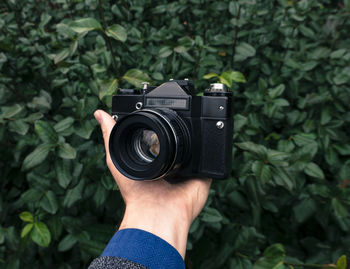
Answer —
144 248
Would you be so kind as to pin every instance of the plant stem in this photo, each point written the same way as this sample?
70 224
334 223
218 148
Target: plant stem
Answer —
107 39
236 35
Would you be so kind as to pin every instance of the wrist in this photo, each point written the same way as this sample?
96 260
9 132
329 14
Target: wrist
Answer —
166 222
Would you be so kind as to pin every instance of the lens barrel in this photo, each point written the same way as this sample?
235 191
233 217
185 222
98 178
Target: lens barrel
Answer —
149 144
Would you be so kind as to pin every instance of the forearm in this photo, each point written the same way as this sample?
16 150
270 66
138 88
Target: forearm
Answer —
164 222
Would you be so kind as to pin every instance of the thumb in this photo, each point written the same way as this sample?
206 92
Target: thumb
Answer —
106 122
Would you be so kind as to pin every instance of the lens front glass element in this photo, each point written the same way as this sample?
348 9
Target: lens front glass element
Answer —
146 145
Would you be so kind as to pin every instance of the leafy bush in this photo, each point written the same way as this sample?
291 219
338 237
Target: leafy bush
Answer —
289 193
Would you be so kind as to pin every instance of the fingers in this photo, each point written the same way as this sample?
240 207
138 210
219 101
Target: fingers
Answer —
106 123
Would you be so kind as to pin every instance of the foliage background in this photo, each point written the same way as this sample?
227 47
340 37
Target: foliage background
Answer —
291 169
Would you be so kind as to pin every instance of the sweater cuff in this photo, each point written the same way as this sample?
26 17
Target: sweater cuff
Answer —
144 248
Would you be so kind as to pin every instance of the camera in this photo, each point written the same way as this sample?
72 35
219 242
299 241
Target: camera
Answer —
169 132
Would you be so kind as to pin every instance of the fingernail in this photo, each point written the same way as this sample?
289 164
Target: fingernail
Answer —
97 115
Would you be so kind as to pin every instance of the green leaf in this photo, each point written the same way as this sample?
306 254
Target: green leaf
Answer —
237 77
41 234
165 52
343 149
2 235
136 77
341 78
27 229
45 18
282 178
107 88
11 111
210 75
211 215
94 248
63 124
337 54
19 126
239 121
252 147
56 227
281 102
304 210
308 32
37 156
180 49
262 171
85 128
117 32
233 8
245 50
67 243
49 202
273 258
31 195
85 25
313 170
240 263
66 151
340 210
277 91
304 139
45 132
63 173
26 216
277 157
73 195
229 76
63 54
341 262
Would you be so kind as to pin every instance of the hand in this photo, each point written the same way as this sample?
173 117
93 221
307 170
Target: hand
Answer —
164 209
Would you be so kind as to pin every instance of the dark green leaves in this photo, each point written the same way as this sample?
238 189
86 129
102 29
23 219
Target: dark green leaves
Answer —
136 77
11 111
73 194
63 173
277 91
243 51
45 132
66 151
273 258
67 242
85 25
117 32
262 171
287 64
63 124
313 170
211 215
227 77
37 156
49 202
304 210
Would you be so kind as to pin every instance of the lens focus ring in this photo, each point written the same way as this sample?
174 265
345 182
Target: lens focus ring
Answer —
149 144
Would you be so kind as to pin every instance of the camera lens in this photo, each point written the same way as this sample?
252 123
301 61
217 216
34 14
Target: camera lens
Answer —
149 144
146 144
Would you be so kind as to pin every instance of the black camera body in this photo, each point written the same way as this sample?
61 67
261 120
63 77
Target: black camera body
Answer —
168 132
